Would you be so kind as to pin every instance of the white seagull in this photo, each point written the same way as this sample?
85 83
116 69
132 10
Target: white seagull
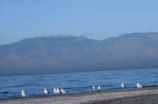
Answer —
139 85
96 88
56 91
99 88
23 94
62 91
46 91
123 85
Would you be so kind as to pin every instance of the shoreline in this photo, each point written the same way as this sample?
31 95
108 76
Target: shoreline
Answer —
107 97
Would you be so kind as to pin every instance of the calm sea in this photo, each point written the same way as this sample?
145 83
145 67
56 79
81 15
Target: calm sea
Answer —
75 82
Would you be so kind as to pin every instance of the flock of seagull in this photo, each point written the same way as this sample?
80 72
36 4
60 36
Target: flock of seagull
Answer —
55 90
138 85
63 91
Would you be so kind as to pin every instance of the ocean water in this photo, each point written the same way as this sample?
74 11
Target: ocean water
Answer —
80 82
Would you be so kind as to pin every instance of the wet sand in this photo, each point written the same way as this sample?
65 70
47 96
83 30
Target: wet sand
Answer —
130 96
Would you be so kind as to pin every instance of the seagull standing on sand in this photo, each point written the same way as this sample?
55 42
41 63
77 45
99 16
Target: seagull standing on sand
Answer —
62 91
123 85
139 85
23 93
56 91
99 88
96 88
59 91
46 91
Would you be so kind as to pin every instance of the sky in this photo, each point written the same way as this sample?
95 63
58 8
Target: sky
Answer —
97 19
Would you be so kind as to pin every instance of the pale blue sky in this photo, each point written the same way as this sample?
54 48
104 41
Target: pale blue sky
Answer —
94 18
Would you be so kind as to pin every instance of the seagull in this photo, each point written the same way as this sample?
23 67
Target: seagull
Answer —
56 91
99 88
94 88
46 91
123 85
139 85
62 91
23 93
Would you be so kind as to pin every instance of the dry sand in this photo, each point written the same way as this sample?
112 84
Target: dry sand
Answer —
131 96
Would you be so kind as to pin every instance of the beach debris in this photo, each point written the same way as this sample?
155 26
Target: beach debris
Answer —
139 85
46 91
23 94
123 85
96 88
5 92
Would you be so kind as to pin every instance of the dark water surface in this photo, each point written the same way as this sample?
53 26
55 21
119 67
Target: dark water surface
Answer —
75 82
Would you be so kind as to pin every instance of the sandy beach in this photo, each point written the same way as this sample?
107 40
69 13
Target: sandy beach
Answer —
130 96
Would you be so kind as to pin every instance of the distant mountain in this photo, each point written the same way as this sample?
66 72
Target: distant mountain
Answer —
73 54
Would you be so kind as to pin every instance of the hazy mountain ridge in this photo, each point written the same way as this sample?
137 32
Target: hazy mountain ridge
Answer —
68 53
